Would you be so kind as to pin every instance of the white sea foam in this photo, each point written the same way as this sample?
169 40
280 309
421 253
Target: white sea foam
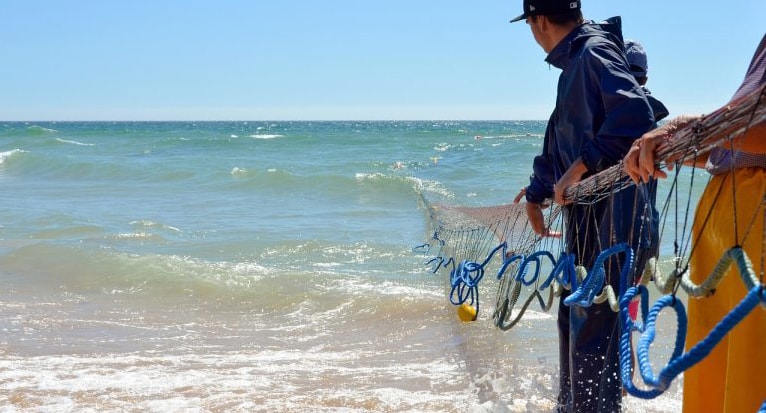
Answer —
442 147
268 380
530 315
265 136
237 171
151 224
35 128
431 189
71 142
133 235
8 154
362 286
361 176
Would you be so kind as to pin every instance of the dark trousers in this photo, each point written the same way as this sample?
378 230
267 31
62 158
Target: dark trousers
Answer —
589 359
589 378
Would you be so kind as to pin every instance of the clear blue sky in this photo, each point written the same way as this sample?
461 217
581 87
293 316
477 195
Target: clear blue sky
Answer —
339 59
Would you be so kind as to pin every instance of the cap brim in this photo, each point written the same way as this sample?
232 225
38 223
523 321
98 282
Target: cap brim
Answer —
522 17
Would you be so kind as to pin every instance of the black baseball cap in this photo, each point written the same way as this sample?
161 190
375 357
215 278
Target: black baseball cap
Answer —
546 7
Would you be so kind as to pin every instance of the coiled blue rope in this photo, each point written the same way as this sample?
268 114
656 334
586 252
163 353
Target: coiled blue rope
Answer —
465 278
593 283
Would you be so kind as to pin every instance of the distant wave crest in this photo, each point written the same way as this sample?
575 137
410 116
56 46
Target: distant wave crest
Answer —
39 130
71 142
8 154
265 136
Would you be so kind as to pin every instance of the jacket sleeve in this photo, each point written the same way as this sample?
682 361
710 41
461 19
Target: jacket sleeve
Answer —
659 109
627 114
541 182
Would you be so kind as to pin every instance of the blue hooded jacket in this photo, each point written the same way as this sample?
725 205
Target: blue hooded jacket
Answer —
600 108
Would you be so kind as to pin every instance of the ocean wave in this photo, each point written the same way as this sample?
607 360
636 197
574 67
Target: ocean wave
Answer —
152 224
4 156
521 135
266 136
87 269
72 142
66 232
39 130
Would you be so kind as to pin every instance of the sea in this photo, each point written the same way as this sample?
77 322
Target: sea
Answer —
260 267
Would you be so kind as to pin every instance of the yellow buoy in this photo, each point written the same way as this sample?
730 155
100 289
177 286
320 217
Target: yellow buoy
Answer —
466 312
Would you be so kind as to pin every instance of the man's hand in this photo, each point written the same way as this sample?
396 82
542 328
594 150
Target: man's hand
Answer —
572 176
521 194
640 163
537 220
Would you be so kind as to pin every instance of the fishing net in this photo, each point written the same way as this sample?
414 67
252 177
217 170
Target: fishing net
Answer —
466 239
469 241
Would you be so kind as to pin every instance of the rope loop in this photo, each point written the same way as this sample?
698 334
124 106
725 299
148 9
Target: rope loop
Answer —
679 361
593 284
524 268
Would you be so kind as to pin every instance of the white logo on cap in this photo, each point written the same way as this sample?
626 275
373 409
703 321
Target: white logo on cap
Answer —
573 5
531 8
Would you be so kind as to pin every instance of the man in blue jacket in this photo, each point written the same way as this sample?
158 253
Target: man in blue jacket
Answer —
600 110
639 68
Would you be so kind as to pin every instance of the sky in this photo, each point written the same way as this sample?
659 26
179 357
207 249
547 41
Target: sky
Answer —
340 59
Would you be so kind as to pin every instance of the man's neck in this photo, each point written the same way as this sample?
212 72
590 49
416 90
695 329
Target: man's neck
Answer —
555 34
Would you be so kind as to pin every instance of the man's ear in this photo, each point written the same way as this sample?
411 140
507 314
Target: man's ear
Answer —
543 23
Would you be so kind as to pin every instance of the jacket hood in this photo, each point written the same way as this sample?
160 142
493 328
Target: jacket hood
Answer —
610 29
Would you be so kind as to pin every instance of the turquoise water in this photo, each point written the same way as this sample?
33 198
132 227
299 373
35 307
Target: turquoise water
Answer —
256 266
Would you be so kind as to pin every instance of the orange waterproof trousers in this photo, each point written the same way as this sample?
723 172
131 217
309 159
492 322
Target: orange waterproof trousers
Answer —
732 378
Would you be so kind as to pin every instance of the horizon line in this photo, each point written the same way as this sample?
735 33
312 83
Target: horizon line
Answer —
275 120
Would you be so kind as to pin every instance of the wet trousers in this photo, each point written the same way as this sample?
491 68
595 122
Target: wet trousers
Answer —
589 336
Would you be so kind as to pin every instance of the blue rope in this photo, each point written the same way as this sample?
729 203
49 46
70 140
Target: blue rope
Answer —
647 338
594 282
678 362
426 248
464 284
438 261
507 262
564 272
422 248
565 265
534 257
754 297
637 325
465 277
626 362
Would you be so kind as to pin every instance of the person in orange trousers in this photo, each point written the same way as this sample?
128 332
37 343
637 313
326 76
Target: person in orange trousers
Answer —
732 378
